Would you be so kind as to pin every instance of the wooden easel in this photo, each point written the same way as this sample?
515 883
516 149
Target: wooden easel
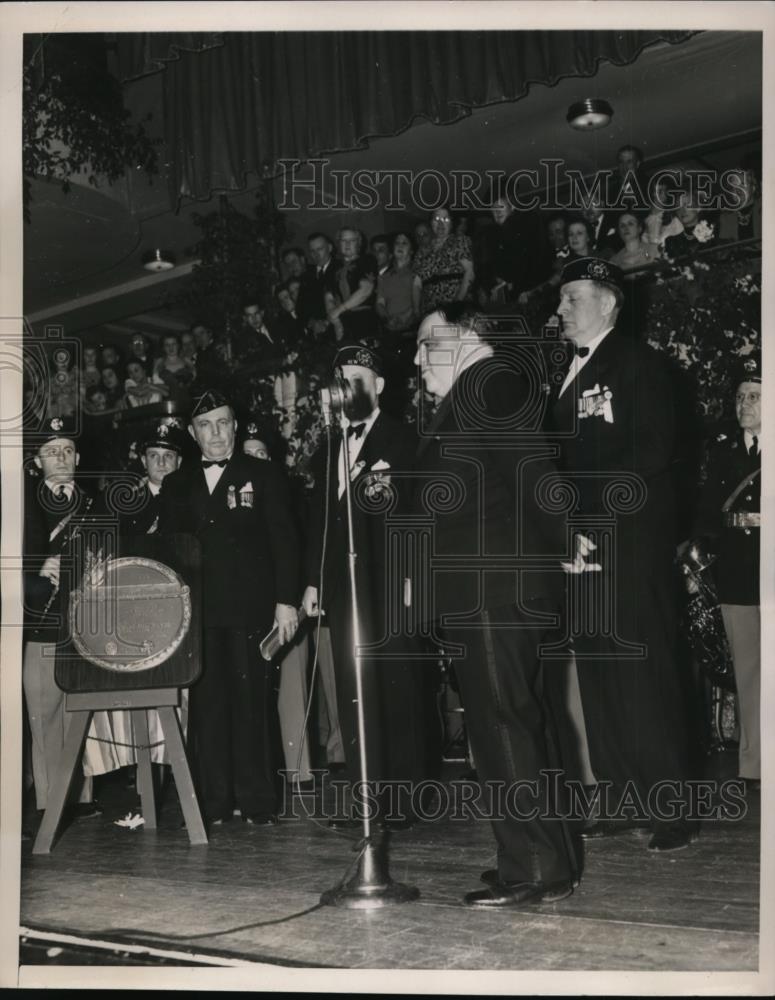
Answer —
81 707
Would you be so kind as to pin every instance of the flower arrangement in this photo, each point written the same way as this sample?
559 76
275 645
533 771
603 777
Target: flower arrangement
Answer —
706 314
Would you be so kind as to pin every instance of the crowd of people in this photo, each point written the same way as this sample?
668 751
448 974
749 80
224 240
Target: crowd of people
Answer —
417 302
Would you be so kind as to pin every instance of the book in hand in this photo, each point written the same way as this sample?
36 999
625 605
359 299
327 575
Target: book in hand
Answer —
270 644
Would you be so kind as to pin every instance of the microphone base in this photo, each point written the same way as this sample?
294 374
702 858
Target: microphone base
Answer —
371 887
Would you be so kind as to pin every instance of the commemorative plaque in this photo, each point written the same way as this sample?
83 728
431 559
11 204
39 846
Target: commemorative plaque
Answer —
134 621
130 615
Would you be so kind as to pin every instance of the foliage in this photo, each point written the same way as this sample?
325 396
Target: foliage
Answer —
73 115
238 261
706 313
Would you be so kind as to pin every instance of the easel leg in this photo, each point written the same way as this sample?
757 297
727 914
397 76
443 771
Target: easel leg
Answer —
63 778
183 782
144 771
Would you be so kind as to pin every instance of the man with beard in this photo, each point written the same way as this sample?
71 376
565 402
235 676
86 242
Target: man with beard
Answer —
394 690
238 508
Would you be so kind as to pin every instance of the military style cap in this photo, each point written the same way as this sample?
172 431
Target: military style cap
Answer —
749 369
257 430
210 399
594 269
54 428
357 354
167 433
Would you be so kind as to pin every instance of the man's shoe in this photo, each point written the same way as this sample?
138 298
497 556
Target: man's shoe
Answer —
261 819
608 828
86 810
665 841
490 877
218 819
502 895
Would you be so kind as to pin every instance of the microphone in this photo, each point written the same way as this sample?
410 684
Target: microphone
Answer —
325 405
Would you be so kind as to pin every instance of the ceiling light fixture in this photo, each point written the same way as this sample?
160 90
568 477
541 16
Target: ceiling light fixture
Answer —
591 113
158 260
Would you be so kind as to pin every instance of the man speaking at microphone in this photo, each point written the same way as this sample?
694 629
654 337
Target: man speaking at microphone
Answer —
239 509
380 457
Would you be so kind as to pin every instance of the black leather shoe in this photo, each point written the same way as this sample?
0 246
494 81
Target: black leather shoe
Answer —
85 810
490 877
665 841
608 828
260 819
517 894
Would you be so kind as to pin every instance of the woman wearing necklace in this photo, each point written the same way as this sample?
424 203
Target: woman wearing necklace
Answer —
636 252
698 232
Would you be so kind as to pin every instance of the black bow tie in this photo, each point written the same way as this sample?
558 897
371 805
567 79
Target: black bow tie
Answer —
356 430
221 465
581 352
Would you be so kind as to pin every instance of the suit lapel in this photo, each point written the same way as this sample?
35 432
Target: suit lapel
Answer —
438 418
597 368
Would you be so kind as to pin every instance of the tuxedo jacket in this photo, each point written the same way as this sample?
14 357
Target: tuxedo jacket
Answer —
390 446
248 538
737 569
43 512
616 433
617 416
483 450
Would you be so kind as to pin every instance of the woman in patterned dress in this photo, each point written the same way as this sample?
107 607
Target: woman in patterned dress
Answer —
446 268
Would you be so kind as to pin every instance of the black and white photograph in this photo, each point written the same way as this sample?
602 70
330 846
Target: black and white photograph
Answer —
385 519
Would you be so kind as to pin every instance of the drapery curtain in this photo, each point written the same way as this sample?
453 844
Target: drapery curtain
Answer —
259 97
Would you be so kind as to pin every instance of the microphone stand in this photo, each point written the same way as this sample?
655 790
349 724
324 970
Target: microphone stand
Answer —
371 887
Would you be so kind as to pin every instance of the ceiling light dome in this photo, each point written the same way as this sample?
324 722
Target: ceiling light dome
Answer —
591 113
158 260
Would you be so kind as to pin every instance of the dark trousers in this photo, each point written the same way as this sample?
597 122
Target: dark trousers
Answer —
403 737
501 680
634 708
234 726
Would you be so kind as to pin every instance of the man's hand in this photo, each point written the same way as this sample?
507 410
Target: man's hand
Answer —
310 602
287 620
50 569
584 547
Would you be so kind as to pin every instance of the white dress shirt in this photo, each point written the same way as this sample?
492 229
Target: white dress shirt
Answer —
355 445
578 362
213 473
748 438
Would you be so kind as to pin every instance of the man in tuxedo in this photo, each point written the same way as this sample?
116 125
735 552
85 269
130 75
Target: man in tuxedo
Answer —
55 507
238 508
613 413
395 691
498 591
730 513
605 239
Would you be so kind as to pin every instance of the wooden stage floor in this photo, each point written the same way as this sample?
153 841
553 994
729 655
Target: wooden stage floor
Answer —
696 910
